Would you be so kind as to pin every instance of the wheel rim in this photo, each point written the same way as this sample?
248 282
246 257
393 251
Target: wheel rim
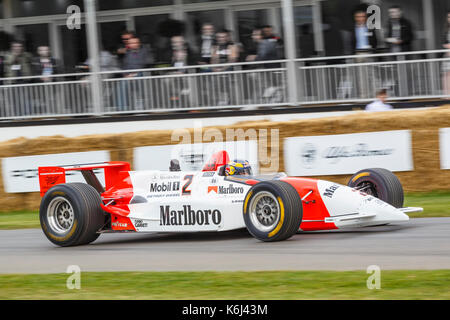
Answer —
264 211
60 215
368 188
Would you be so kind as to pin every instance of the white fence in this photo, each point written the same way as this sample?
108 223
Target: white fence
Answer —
414 75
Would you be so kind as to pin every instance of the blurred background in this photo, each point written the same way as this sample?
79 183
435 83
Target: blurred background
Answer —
138 56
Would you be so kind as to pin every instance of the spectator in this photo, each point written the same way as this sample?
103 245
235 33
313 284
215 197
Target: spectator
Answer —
400 32
362 40
181 53
207 43
135 57
17 62
44 64
380 103
267 33
224 51
122 51
252 51
446 64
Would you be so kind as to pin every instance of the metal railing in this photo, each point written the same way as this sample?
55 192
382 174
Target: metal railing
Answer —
322 80
356 78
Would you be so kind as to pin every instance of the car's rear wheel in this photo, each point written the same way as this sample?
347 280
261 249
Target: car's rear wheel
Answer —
380 183
70 214
272 211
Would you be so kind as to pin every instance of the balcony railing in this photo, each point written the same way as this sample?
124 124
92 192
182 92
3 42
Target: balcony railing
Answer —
324 80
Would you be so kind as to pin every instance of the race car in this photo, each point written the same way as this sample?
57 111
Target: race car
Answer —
225 195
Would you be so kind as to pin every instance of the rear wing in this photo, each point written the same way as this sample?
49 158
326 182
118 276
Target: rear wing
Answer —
51 176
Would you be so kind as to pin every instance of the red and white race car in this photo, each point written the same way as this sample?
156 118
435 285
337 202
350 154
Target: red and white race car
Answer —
272 207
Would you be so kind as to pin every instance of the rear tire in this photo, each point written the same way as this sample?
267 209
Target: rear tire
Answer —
71 215
272 211
380 183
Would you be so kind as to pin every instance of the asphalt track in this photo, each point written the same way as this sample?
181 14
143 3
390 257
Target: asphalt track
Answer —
418 244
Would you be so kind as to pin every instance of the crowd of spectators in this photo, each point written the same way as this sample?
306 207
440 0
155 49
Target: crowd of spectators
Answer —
213 47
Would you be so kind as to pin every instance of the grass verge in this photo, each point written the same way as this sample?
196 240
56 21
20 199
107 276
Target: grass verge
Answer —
285 285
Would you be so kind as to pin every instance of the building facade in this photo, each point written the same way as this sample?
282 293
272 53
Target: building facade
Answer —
319 24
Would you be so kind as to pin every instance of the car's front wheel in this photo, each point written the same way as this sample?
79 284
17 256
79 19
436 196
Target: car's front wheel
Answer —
272 211
70 214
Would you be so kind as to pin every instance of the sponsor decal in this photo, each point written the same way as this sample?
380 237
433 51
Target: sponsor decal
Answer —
329 192
309 155
169 176
119 224
231 189
336 153
164 187
140 224
189 217
213 188
209 174
20 174
348 153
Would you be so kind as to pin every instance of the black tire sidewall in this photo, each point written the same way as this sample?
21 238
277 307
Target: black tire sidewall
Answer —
388 186
71 236
376 180
275 190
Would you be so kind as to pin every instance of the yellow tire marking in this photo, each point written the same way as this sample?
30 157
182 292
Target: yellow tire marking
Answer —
362 174
246 201
280 223
67 236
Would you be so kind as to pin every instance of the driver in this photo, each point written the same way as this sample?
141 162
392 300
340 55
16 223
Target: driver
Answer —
238 168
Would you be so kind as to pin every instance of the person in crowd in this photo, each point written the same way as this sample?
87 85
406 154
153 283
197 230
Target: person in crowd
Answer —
380 103
135 57
446 64
207 43
122 51
182 55
44 64
268 34
17 62
252 50
267 46
399 31
363 40
224 51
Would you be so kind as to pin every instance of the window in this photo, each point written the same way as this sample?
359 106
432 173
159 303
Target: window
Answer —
29 8
130 4
33 36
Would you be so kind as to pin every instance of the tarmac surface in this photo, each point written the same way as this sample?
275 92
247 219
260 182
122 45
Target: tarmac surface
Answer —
418 244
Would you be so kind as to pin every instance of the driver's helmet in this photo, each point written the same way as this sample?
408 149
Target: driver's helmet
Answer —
238 168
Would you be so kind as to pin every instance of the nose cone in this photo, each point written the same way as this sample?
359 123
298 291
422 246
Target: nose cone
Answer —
384 212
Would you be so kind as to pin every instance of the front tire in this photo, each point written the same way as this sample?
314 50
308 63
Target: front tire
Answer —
70 214
272 211
380 183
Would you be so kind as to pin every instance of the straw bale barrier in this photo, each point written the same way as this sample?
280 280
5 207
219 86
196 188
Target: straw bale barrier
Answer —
424 124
